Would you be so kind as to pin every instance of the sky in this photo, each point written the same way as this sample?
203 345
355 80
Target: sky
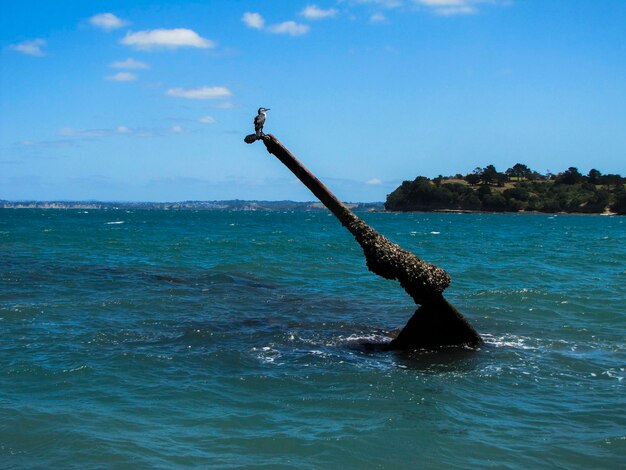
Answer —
141 100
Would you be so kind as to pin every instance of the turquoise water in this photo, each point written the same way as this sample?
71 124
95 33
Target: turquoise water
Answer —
155 339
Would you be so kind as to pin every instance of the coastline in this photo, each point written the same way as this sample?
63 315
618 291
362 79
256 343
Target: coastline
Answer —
606 213
236 205
241 205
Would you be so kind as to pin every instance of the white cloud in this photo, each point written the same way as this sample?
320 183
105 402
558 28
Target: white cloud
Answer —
457 7
83 133
202 93
32 47
449 7
374 182
208 120
123 130
107 21
378 18
313 12
177 129
442 3
166 39
129 64
73 134
380 3
225 105
289 27
122 77
253 20
438 7
256 21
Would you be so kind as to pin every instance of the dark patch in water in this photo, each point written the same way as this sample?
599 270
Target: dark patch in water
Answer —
175 280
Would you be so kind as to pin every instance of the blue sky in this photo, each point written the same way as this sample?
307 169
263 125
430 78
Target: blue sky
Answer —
149 101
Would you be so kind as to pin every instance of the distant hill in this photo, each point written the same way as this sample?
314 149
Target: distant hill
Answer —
234 205
517 189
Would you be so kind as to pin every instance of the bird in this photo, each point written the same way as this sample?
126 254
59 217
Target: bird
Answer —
259 121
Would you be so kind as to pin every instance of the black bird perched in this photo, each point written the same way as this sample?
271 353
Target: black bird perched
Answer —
259 121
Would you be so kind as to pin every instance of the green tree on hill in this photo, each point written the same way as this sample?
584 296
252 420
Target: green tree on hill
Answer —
569 176
594 176
519 171
472 179
489 174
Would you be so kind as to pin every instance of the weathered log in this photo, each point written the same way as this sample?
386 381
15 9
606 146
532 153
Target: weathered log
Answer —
436 323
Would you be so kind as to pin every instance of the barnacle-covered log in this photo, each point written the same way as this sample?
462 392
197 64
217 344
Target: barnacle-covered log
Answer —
436 323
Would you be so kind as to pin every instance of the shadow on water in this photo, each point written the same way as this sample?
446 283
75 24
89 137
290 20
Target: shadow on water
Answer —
442 359
34 270
237 278
452 359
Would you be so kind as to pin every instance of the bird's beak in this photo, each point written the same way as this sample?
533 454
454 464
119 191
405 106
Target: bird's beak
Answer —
267 109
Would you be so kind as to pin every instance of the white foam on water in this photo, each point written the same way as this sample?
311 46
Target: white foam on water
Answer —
267 355
370 338
508 341
116 222
614 375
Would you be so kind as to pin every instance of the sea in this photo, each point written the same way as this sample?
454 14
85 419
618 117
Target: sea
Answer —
233 339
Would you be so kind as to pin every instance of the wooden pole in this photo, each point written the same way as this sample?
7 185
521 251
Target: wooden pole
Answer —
436 323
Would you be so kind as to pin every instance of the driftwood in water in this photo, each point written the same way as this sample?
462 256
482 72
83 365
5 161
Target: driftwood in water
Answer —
436 323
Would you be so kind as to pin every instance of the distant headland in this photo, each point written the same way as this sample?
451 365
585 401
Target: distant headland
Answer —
518 189
233 205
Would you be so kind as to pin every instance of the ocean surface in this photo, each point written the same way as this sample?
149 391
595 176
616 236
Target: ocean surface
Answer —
159 339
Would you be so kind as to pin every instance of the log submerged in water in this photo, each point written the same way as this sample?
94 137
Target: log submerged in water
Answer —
436 323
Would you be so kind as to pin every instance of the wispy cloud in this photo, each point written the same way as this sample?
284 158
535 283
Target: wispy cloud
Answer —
437 7
207 120
46 144
224 105
92 134
379 3
84 133
449 7
378 17
253 20
374 182
313 12
73 136
129 64
122 77
201 93
33 47
166 39
107 21
290 28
